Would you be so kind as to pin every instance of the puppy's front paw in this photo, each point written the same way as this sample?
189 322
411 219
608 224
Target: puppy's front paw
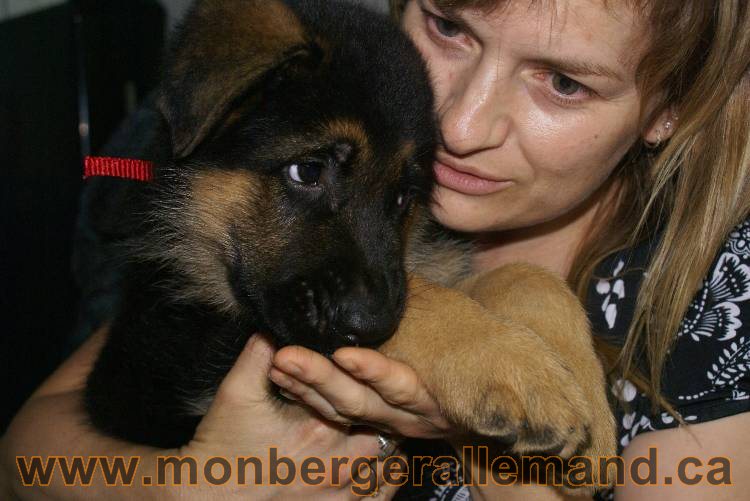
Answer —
520 393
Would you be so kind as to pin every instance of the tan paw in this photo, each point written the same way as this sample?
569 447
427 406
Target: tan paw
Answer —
527 401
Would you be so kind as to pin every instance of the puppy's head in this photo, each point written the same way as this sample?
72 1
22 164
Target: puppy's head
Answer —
302 138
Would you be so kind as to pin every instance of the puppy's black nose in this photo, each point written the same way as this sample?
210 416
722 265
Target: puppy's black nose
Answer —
335 306
365 314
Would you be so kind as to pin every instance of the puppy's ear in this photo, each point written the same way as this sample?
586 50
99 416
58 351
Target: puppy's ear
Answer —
224 46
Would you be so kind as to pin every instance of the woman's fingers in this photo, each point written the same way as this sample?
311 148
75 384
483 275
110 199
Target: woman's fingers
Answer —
389 396
300 391
316 370
396 382
321 384
247 381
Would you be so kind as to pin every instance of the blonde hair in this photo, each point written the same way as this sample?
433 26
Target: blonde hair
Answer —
689 193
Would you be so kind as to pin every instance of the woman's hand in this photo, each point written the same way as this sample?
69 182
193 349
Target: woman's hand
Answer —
360 386
242 421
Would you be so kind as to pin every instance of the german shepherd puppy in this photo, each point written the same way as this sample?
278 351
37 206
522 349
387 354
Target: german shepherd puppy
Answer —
292 201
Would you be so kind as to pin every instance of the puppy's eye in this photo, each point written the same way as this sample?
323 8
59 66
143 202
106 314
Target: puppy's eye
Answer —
404 200
305 173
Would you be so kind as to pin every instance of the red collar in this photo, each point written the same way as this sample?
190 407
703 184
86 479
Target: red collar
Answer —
128 168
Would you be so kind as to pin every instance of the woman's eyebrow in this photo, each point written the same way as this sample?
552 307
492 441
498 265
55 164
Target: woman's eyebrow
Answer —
580 68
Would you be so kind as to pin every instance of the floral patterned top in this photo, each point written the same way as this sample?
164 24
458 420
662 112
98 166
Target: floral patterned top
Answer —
707 374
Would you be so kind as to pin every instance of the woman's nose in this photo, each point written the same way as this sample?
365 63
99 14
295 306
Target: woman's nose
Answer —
474 117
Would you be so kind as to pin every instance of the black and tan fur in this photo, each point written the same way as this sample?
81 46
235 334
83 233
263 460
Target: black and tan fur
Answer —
228 243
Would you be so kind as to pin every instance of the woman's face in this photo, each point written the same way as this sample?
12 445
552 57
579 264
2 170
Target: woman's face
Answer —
536 106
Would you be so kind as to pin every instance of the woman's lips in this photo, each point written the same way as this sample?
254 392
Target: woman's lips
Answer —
466 183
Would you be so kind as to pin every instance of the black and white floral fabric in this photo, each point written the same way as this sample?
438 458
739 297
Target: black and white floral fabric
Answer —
707 374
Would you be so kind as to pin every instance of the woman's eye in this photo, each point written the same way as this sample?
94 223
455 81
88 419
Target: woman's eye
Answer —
564 85
446 28
305 173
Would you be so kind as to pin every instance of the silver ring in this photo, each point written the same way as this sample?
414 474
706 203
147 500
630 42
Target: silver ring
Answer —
386 445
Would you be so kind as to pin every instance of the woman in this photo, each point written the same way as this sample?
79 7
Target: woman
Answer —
596 139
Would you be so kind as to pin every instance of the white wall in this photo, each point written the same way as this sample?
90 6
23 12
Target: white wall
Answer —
14 8
175 9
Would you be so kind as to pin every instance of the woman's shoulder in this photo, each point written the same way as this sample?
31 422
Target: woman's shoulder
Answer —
707 373
724 290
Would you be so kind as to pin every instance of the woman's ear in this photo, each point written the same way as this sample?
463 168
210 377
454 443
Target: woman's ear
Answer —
661 128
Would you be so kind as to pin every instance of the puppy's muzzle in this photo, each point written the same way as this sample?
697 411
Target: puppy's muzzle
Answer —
337 307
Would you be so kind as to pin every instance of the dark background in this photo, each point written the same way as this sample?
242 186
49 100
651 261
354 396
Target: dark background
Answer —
76 67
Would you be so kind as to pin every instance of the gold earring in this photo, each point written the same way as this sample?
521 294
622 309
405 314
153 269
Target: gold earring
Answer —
655 145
